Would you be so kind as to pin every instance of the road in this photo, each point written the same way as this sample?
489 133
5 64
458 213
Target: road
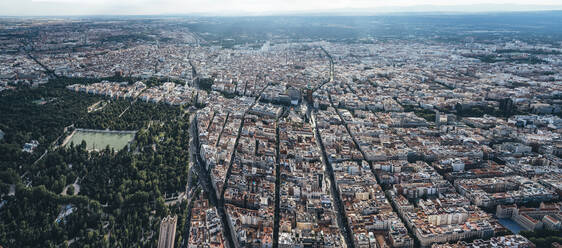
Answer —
344 123
233 155
332 71
348 130
331 63
410 231
205 177
341 215
277 184
47 70
205 181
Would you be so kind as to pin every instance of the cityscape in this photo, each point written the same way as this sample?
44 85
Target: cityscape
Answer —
439 130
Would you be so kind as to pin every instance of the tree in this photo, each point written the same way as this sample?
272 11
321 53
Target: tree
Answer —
205 83
70 190
83 145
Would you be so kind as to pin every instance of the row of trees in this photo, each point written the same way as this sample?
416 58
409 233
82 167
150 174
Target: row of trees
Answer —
138 115
543 238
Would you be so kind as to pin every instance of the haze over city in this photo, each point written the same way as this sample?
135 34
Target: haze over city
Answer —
267 7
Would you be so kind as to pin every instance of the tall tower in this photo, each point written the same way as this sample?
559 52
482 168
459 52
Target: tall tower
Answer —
167 235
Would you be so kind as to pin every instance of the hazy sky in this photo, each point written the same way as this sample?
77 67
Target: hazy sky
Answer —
230 7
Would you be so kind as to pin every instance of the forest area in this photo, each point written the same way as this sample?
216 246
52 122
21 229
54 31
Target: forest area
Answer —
121 195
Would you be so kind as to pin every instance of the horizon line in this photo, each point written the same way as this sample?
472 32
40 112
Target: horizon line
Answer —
389 10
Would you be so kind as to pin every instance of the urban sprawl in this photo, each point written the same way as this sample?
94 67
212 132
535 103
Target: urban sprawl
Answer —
332 144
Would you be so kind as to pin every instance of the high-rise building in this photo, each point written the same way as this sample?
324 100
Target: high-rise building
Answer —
167 232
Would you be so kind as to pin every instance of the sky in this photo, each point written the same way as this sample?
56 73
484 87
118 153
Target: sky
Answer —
260 7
